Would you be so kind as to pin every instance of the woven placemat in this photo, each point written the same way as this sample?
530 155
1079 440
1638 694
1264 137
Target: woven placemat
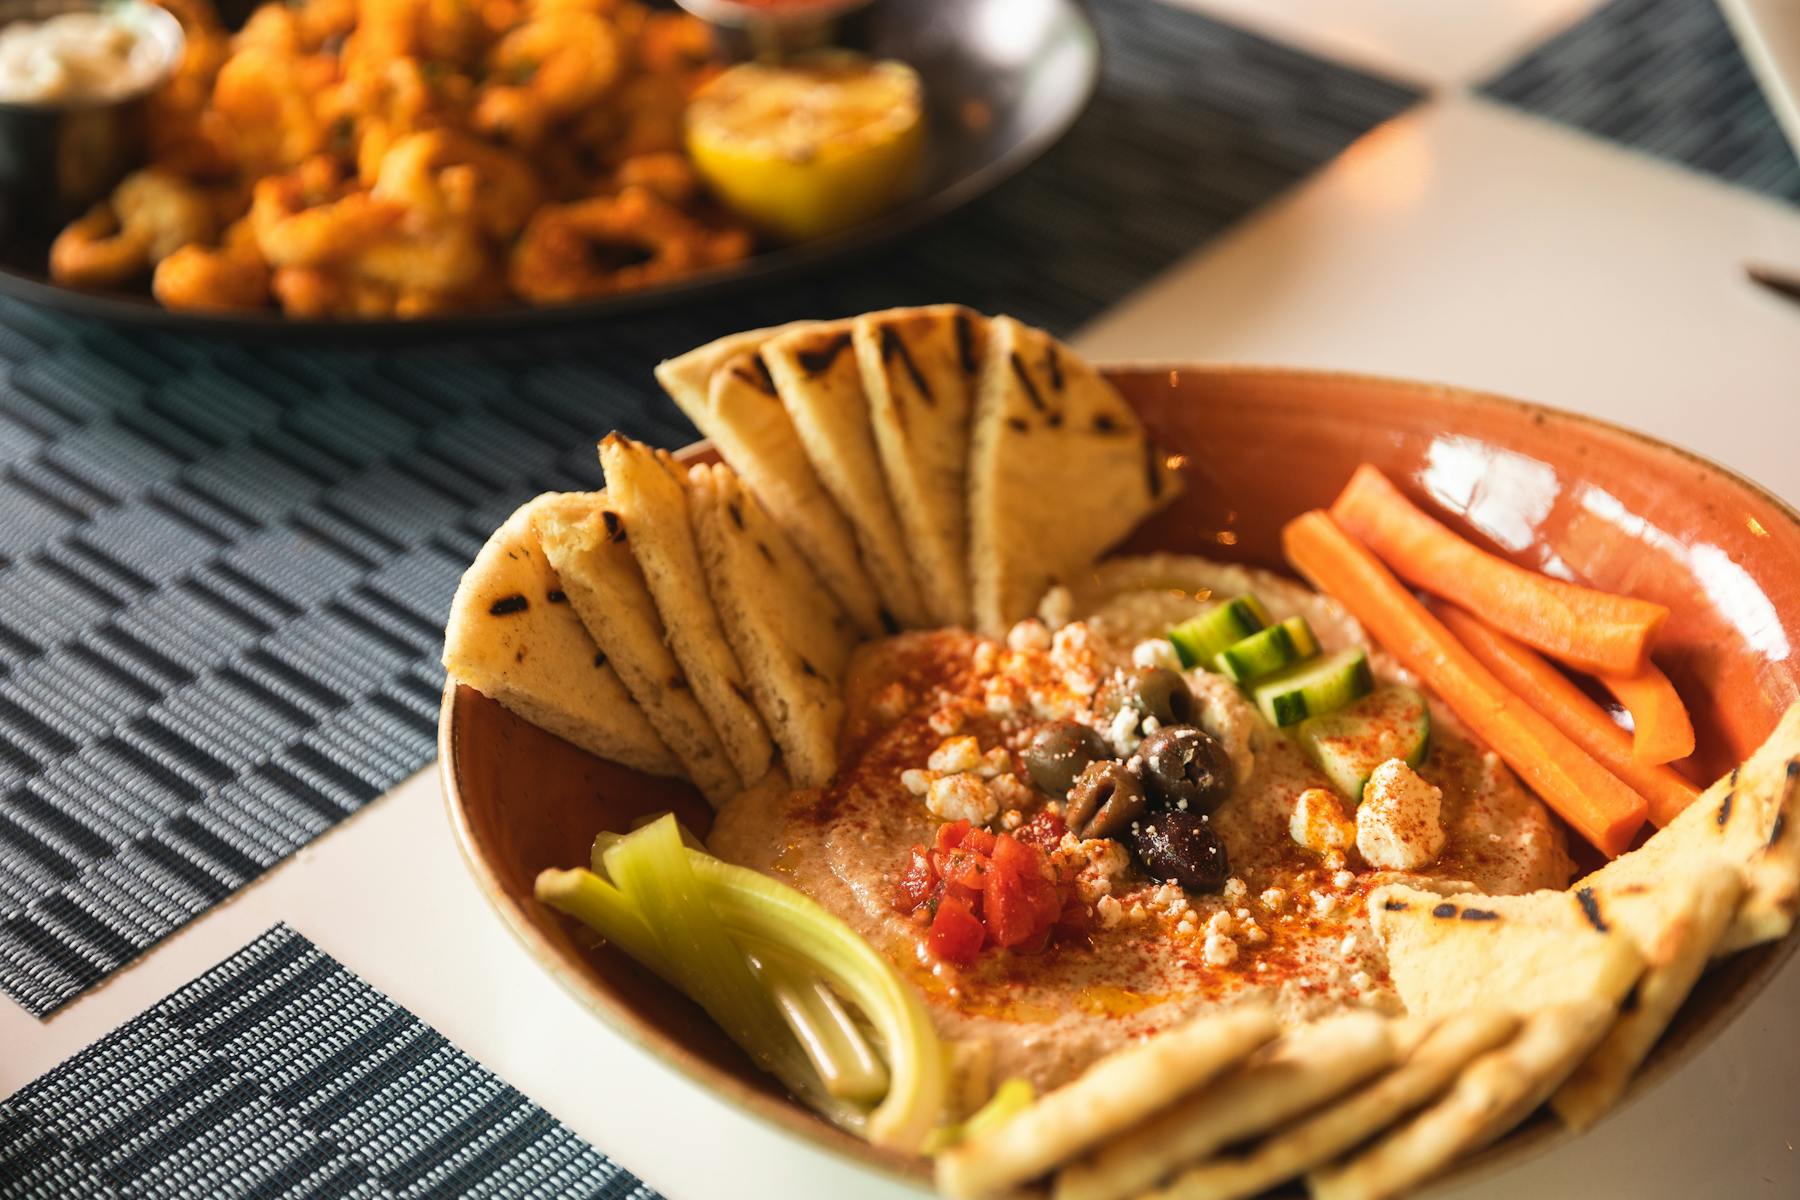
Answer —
280 1073
224 570
1665 77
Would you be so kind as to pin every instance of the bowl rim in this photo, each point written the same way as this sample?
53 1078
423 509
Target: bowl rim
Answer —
1521 1144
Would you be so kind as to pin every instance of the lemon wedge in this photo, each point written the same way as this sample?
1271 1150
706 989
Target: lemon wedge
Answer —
812 146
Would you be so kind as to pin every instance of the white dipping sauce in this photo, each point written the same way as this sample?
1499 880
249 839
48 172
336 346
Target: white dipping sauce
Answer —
80 57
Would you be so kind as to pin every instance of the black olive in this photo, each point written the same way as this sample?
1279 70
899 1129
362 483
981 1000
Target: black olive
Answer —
1059 752
1104 801
1155 692
1184 763
1181 847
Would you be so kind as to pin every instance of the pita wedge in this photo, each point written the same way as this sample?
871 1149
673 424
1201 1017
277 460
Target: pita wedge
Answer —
794 643
919 370
1302 1070
1060 468
1750 819
725 389
585 540
648 491
1111 1096
1426 1071
1543 948
1494 1093
1677 924
815 371
513 637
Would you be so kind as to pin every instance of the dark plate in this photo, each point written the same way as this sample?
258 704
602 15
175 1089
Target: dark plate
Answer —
1004 80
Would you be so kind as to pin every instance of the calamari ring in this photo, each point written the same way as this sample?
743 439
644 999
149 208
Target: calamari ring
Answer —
312 215
612 244
95 250
441 175
229 278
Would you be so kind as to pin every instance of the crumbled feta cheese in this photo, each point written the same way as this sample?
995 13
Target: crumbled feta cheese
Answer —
1323 904
1219 951
962 798
1187 927
1397 825
1124 730
985 658
1347 947
1274 899
1255 935
1343 880
946 721
1235 890
1155 652
1029 634
1221 924
1010 790
994 763
1361 981
1002 695
1318 822
1149 725
1011 819
915 781
955 754
1110 912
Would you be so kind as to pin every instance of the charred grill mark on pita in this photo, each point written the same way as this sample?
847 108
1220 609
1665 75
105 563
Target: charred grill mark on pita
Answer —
1103 423
810 669
817 362
1779 825
506 606
1055 364
599 658
965 344
1444 911
1025 381
1394 905
887 620
765 552
1480 914
1725 808
615 525
893 346
1629 1000
737 515
1590 908
1017 424
556 596
756 375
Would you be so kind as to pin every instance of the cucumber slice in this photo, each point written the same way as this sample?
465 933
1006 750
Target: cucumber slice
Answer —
1267 651
1198 639
1391 722
1319 685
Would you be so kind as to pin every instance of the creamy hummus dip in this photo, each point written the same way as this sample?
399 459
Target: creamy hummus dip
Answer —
1288 920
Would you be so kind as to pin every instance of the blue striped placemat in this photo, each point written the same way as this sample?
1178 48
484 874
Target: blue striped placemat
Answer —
224 569
1665 77
280 1073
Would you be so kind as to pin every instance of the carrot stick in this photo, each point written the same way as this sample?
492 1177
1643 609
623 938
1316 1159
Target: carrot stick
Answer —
1589 798
1570 709
1664 732
1592 631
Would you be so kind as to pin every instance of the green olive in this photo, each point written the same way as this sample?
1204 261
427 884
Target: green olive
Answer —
1154 692
1104 802
1059 752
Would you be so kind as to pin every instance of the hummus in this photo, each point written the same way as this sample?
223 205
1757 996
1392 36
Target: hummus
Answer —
1289 921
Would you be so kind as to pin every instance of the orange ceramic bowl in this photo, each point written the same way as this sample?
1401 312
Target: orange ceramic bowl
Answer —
1549 489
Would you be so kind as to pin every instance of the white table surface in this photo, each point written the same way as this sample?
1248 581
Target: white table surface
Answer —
1463 242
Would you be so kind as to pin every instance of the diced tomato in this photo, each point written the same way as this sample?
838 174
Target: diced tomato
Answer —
950 836
917 882
956 933
1045 830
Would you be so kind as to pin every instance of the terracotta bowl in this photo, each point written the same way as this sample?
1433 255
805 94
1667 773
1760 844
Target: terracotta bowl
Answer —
1551 490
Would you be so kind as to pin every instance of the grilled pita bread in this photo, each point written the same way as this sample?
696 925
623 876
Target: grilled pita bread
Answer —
725 389
793 642
815 371
1112 1095
585 540
1494 1093
513 637
647 490
1750 819
1536 950
1677 924
920 367
1298 1072
1060 468
1425 1072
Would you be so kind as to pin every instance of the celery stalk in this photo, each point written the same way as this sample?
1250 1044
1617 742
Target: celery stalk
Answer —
846 1063
753 904
1011 1098
602 907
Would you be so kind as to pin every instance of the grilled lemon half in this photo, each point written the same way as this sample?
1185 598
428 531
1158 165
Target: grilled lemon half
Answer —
811 146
